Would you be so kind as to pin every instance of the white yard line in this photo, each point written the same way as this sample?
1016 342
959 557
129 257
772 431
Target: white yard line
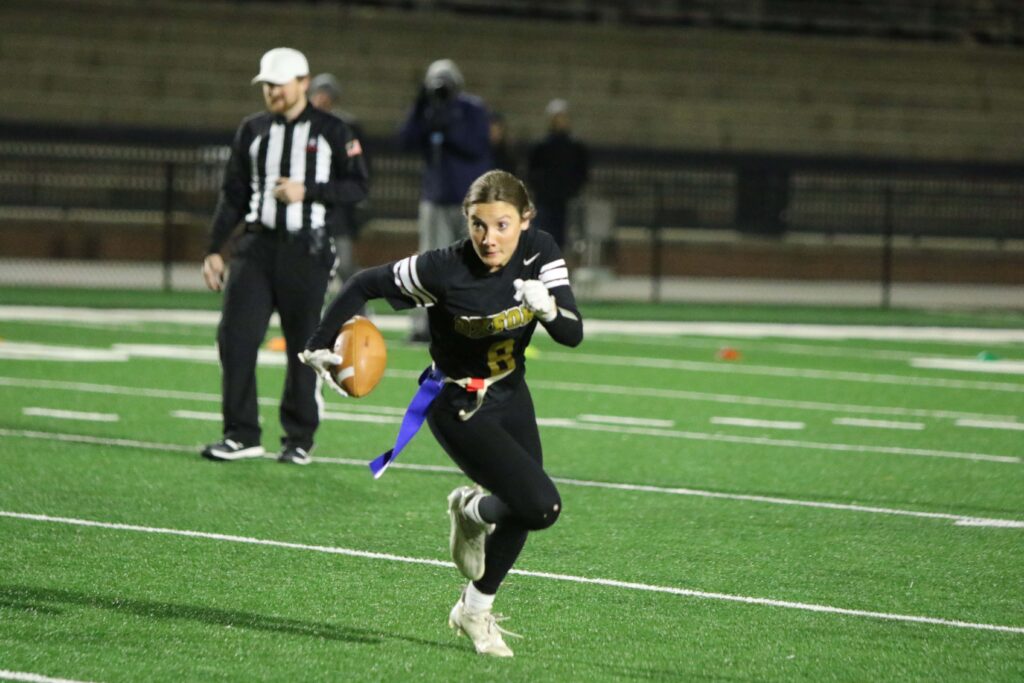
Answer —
988 424
763 424
107 315
197 415
574 387
761 346
49 352
790 443
561 423
1003 367
877 424
346 417
736 399
789 373
32 678
960 520
609 583
69 414
209 355
1006 523
362 417
965 335
615 419
964 520
568 423
960 335
146 392
731 330
99 440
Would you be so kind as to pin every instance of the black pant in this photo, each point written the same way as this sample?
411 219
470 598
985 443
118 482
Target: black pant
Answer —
499 448
271 271
551 218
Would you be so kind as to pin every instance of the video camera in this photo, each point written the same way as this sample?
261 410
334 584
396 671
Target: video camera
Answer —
440 90
443 81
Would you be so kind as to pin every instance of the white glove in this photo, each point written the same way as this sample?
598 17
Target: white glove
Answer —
536 297
323 361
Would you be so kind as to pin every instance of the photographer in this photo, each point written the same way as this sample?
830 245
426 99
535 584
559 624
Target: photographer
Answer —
450 129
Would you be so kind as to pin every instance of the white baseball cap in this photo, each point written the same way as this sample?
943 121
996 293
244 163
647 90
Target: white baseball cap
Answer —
281 65
556 106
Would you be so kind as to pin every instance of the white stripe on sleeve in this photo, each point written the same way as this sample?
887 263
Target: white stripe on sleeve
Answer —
554 274
419 285
407 280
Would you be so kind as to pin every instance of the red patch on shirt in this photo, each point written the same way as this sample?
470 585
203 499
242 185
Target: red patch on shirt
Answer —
311 146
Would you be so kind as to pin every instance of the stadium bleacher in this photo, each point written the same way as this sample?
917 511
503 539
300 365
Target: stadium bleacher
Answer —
738 118
188 64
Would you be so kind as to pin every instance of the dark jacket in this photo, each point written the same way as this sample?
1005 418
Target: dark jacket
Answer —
453 137
557 168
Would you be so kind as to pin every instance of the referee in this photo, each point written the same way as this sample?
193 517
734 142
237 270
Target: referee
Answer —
291 168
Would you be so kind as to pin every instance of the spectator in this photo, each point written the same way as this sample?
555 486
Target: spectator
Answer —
348 219
502 156
291 167
449 128
556 171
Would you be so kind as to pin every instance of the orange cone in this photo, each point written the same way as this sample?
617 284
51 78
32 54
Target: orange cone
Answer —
728 353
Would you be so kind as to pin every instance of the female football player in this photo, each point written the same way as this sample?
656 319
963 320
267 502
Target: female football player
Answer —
484 295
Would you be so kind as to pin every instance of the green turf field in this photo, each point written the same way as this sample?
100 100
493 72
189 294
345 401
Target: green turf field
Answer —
817 509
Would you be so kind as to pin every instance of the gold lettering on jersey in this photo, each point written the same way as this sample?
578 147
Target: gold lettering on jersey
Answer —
477 327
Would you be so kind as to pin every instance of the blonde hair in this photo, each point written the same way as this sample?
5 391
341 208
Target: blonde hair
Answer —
499 186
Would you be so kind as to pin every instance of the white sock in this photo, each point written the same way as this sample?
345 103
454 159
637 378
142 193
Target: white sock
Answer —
472 509
475 601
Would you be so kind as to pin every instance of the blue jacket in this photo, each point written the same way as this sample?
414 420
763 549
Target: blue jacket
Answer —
453 137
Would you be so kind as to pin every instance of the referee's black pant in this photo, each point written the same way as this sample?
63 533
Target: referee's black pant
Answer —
271 270
499 448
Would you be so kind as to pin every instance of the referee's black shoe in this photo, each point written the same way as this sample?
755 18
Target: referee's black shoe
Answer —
294 455
229 449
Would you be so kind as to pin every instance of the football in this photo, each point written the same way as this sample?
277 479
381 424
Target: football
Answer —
363 356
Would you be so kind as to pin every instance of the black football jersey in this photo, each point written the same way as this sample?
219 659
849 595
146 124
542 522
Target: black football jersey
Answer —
477 328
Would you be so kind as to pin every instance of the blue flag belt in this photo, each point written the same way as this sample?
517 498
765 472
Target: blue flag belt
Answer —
431 382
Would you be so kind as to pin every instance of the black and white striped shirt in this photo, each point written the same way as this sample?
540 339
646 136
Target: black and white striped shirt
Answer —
316 148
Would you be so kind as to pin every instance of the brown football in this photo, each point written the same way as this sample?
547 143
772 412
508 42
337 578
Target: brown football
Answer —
363 356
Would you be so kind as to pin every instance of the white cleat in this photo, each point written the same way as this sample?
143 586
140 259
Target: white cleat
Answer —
467 538
482 628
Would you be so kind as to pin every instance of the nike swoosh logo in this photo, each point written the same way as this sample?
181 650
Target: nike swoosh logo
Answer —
528 261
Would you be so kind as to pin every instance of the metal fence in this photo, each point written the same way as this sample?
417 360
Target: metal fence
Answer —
126 201
774 195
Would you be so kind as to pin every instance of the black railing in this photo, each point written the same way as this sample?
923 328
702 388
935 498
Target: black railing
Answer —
63 198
